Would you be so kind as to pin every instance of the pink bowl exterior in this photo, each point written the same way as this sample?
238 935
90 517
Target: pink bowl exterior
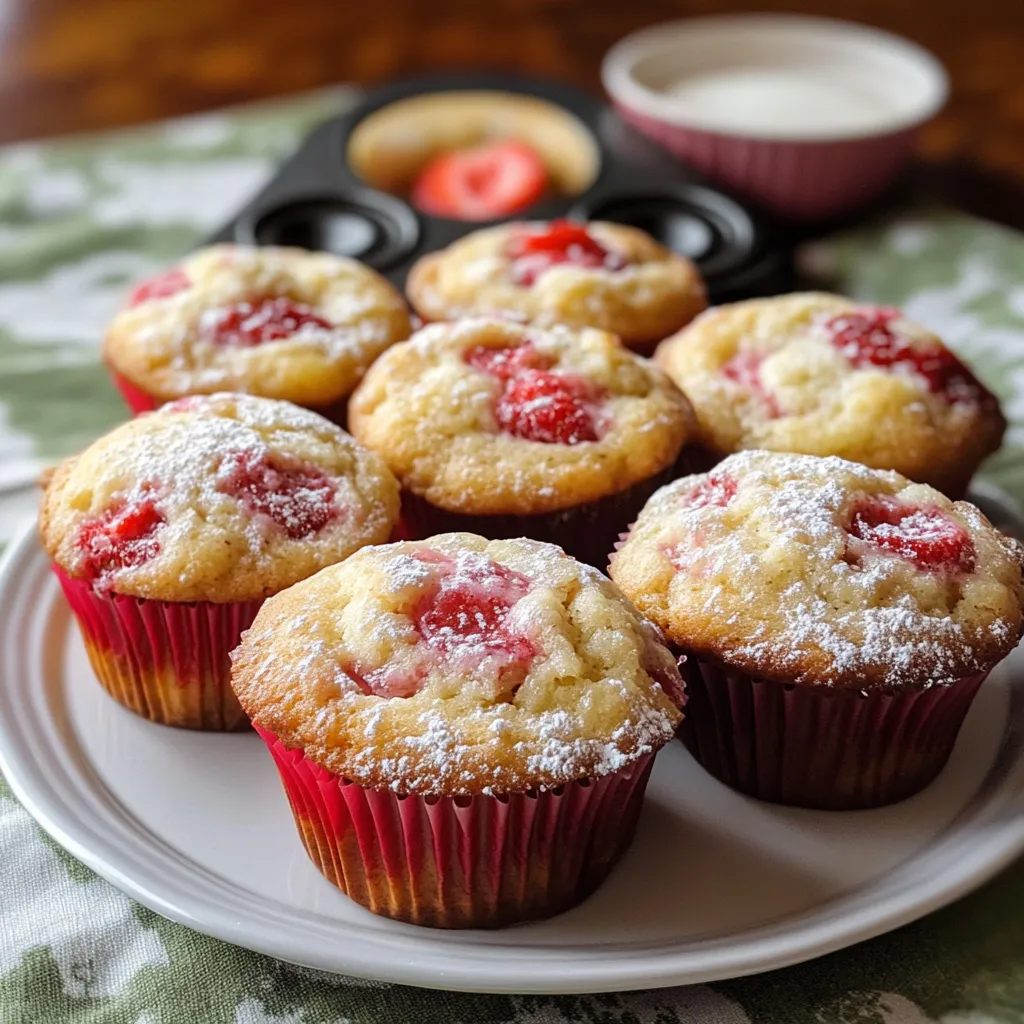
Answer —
801 181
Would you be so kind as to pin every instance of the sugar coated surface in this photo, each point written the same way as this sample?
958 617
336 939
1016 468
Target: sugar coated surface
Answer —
546 673
821 571
168 347
431 409
808 373
643 291
233 497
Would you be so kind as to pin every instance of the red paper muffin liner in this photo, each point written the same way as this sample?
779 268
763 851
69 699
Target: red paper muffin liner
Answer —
811 747
140 401
165 661
462 862
586 532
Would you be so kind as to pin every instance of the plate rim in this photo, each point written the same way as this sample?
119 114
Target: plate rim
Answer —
823 928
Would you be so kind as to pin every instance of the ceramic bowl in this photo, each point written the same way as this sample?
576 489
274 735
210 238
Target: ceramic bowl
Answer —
808 117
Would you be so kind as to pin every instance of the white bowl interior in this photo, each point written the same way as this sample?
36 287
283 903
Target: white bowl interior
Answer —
776 76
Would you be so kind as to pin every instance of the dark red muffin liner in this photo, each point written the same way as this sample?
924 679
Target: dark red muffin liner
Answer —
822 748
586 532
462 862
168 662
140 401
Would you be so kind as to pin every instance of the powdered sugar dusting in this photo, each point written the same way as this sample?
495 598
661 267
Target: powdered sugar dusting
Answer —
790 577
232 480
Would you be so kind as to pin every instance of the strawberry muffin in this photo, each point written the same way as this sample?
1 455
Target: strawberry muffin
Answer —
168 533
509 431
276 322
464 728
823 375
609 276
836 621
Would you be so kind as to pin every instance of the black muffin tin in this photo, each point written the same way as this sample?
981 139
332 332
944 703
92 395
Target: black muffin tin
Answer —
317 201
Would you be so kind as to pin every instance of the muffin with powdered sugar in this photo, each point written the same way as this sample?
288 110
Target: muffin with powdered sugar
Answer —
168 532
464 727
508 431
836 621
609 276
824 375
272 321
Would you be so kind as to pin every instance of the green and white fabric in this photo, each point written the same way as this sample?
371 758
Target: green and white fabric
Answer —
79 221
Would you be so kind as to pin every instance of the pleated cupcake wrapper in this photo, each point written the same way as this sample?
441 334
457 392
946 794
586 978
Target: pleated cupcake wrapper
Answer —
165 661
810 747
140 401
462 862
586 532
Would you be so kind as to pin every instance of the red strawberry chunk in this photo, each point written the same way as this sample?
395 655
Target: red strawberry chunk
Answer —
715 491
506 363
923 535
122 537
255 322
298 498
867 338
170 282
561 242
464 616
496 179
551 408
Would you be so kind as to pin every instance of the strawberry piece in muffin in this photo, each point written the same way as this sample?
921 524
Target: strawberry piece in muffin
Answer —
298 498
259 321
170 282
924 535
123 536
550 408
871 337
558 243
508 362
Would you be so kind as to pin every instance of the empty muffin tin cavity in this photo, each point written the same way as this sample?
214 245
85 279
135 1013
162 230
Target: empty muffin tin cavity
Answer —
362 224
693 221
389 147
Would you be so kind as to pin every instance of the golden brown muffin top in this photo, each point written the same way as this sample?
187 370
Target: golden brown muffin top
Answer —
457 665
277 322
821 571
484 416
612 277
215 498
824 375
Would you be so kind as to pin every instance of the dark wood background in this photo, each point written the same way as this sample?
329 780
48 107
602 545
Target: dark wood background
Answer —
80 65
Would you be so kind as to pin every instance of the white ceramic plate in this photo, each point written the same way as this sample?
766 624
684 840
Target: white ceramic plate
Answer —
196 827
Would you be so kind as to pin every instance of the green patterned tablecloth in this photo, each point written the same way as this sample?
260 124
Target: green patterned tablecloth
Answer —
81 219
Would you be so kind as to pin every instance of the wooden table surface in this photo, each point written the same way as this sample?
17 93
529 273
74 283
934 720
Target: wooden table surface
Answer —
81 65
